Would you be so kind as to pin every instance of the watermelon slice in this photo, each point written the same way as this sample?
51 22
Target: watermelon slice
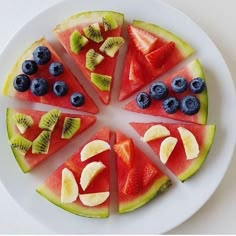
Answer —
157 51
139 180
51 189
189 72
178 162
28 161
79 22
43 72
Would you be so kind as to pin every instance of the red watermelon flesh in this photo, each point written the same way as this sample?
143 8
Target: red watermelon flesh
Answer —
30 161
189 72
107 66
50 98
138 182
165 50
51 189
177 161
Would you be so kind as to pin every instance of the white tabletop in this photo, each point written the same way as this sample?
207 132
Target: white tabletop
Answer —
218 19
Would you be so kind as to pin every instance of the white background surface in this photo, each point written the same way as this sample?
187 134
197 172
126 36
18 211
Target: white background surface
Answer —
218 19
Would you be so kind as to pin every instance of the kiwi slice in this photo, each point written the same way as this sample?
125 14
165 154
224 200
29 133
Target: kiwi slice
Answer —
20 144
70 127
93 32
23 122
77 41
49 119
111 45
41 144
102 82
109 22
93 59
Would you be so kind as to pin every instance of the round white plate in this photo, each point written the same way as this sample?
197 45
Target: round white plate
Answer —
181 200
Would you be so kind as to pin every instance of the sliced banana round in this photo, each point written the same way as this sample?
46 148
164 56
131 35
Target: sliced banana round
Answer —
191 146
89 172
69 187
93 199
155 132
167 147
93 148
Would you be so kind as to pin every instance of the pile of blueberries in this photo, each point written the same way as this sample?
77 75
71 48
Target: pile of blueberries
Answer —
40 86
189 104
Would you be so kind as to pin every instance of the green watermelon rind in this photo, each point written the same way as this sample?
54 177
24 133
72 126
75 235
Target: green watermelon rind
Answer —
184 48
73 208
11 133
159 186
205 148
87 18
196 70
8 89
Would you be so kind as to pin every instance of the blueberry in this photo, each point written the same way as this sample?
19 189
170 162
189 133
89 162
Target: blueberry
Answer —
77 99
190 105
197 85
143 100
29 67
60 88
179 84
41 55
55 68
39 87
21 83
171 105
158 91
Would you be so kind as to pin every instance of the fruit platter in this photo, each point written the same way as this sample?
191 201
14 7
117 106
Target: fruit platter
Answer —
110 117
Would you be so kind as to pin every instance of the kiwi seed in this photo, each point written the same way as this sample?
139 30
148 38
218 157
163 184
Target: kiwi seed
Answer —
93 32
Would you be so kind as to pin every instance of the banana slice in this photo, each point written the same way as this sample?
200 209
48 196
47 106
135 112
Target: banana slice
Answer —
89 172
93 148
155 132
167 147
94 199
69 187
191 146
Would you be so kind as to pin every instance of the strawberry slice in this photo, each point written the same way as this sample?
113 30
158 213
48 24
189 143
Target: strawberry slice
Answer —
124 151
149 172
133 183
158 58
144 41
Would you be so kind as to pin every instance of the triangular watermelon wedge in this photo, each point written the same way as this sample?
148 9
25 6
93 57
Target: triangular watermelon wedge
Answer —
51 189
189 72
78 22
139 179
29 161
182 166
158 51
43 72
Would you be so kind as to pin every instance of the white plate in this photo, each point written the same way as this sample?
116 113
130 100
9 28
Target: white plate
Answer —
182 200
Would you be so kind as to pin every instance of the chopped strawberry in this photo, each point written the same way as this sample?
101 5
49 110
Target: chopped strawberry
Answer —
133 182
149 172
124 151
144 41
158 58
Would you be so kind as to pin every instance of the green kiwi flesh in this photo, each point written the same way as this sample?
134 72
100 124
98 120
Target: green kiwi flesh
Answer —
77 41
111 45
20 144
49 119
93 32
93 59
109 22
102 82
70 127
23 122
41 144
